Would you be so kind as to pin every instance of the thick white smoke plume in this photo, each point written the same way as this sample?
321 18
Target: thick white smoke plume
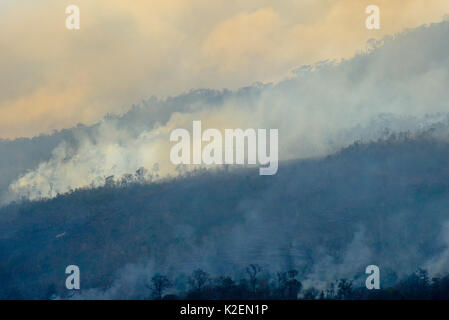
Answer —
321 108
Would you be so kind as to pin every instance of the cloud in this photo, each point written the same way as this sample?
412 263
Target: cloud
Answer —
53 78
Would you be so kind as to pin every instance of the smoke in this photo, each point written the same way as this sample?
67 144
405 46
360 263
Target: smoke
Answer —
439 264
131 282
392 87
355 257
112 152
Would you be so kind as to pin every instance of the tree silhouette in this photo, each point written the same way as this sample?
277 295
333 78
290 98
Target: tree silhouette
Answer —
293 286
344 289
159 283
198 280
253 270
311 293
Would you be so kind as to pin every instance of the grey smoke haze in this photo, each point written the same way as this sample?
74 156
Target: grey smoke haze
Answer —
381 203
319 110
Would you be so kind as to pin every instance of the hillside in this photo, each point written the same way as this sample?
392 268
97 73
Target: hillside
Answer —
381 203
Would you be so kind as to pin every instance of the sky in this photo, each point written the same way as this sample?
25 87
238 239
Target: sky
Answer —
53 78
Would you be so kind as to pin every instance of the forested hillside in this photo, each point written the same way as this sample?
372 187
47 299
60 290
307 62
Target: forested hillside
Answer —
383 203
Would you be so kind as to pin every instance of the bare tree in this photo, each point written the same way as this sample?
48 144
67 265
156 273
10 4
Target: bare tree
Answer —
253 270
159 283
198 279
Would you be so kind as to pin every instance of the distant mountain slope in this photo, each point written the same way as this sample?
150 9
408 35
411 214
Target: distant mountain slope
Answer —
398 84
384 203
19 156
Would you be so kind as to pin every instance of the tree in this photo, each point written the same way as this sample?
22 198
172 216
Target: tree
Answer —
198 280
288 285
311 293
416 286
141 174
344 289
253 270
159 283
126 180
330 292
293 286
109 181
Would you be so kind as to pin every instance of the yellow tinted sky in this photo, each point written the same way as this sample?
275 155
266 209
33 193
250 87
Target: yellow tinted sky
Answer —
126 51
